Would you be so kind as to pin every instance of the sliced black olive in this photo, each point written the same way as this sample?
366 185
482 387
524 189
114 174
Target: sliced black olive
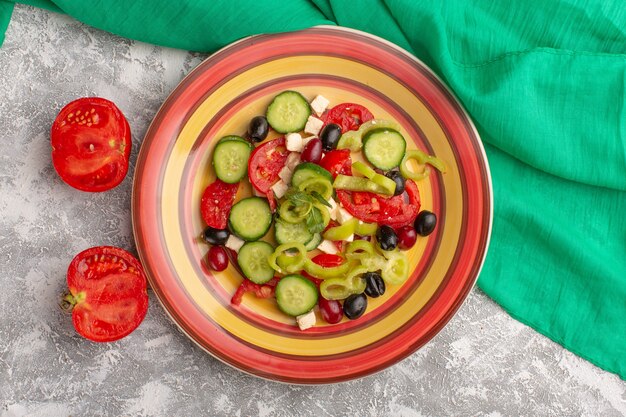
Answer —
258 129
330 135
215 236
398 179
425 223
387 238
375 286
354 306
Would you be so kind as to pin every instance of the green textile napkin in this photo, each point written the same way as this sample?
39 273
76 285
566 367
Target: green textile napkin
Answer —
545 83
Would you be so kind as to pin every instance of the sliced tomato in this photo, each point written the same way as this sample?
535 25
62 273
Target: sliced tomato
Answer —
265 163
349 116
396 211
216 202
337 161
107 293
266 290
328 260
91 143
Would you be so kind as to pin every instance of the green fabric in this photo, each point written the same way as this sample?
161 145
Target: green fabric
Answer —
545 84
6 9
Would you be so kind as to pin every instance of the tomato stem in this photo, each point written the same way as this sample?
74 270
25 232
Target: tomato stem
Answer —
68 301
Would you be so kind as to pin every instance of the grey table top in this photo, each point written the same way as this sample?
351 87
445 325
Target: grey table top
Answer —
482 363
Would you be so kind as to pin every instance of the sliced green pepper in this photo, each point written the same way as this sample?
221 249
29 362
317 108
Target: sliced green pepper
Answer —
294 213
387 183
282 262
346 182
318 184
360 245
326 272
396 269
342 232
341 288
365 253
366 229
422 159
353 139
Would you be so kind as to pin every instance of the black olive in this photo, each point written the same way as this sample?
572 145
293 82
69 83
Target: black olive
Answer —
330 136
375 284
387 238
215 236
398 179
425 223
354 306
258 129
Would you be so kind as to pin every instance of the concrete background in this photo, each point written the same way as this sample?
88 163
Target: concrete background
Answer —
482 363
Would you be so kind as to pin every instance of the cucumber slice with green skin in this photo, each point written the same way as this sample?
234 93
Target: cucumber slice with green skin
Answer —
308 170
314 242
233 137
230 159
296 295
288 112
292 232
384 148
250 218
252 259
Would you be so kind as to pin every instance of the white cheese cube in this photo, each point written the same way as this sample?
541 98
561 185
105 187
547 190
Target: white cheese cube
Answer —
350 238
328 247
257 193
343 215
280 188
319 104
294 142
306 321
285 174
313 125
292 160
334 209
234 243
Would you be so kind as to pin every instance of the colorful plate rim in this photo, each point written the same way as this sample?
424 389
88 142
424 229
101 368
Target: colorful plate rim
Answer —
275 372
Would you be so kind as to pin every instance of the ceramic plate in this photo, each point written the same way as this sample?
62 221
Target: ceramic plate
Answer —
219 98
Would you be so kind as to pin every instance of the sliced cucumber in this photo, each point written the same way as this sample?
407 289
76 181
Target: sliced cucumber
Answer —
307 171
232 137
250 218
353 139
384 148
314 242
252 259
296 295
288 112
292 232
230 158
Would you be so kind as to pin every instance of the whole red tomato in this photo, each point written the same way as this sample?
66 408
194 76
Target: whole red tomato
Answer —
91 144
107 293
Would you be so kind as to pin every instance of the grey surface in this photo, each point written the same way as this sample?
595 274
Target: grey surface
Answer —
482 363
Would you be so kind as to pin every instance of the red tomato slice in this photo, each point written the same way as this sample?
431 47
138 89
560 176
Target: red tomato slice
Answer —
91 144
108 293
328 260
266 290
349 116
265 163
371 208
337 161
216 202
